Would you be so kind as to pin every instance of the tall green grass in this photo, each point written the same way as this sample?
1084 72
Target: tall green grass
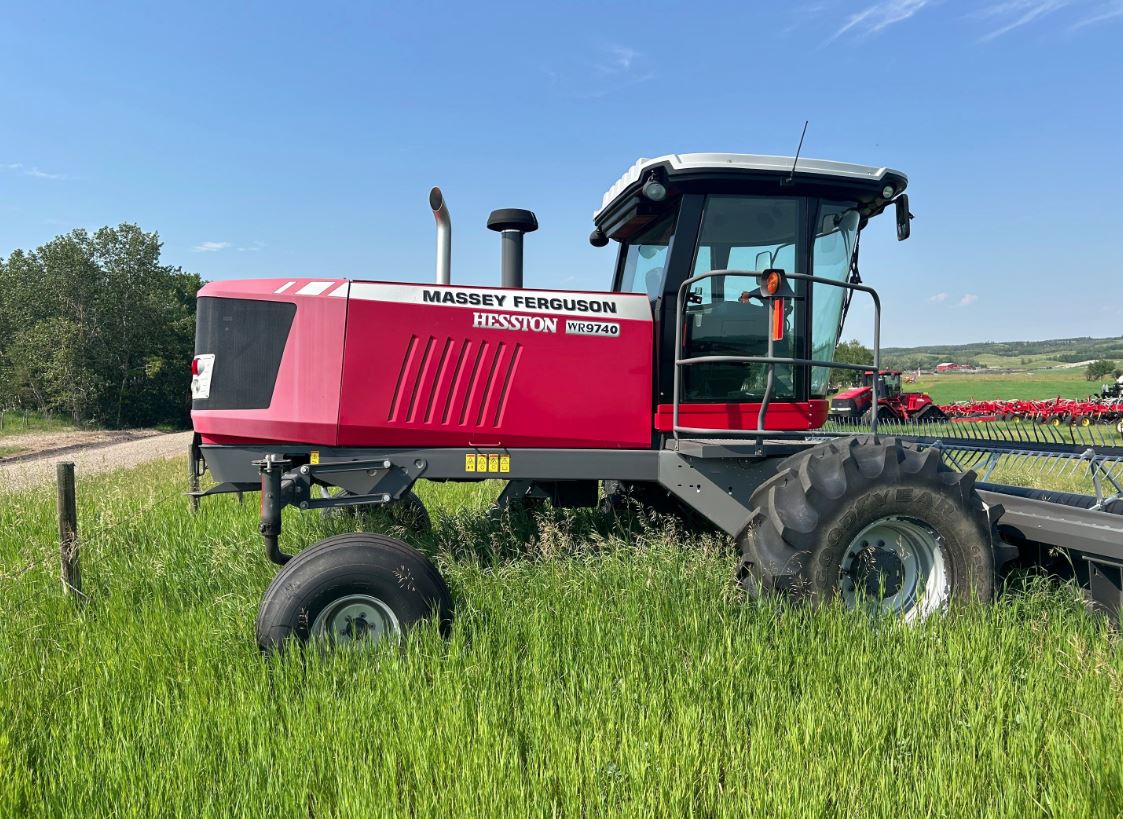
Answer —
594 669
19 422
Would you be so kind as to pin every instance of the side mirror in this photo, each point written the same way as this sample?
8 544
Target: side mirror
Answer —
763 260
904 229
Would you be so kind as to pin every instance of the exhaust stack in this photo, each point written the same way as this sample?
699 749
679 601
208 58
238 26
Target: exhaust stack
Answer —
444 235
511 224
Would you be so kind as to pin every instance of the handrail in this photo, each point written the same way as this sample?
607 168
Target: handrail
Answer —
770 360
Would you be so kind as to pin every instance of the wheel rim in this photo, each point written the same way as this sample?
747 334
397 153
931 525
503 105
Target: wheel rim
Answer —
895 565
356 618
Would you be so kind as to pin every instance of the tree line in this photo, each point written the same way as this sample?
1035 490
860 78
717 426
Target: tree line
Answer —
95 327
1103 368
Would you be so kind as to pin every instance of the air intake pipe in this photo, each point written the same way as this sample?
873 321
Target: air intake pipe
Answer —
444 235
511 224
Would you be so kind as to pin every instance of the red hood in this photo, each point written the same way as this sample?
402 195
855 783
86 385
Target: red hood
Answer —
852 393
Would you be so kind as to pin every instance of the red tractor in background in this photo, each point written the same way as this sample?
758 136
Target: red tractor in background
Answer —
855 404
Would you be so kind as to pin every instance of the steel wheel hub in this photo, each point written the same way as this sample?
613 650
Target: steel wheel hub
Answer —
356 618
895 565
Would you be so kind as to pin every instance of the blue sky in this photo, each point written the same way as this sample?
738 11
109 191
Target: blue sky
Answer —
276 139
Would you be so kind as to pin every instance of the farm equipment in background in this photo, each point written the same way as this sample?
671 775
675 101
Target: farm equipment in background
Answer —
856 403
696 383
1056 412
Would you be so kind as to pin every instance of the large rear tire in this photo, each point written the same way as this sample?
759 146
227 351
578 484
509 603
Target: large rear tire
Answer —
879 524
352 588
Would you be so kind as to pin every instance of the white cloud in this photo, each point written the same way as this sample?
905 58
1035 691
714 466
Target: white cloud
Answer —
623 56
1013 14
969 298
25 170
939 297
623 64
592 76
210 247
880 16
1103 13
253 247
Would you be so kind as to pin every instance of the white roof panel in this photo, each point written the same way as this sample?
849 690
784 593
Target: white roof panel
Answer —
748 162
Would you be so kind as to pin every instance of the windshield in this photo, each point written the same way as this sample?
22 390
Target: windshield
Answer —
832 253
645 261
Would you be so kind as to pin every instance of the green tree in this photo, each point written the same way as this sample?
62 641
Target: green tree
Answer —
850 352
1099 369
96 327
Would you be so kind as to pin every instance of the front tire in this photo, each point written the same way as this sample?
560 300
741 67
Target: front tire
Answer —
349 589
881 525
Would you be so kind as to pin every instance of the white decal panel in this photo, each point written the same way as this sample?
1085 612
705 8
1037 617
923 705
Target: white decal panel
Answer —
201 381
627 306
609 329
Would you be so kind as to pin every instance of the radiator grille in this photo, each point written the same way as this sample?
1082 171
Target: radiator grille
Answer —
444 381
247 338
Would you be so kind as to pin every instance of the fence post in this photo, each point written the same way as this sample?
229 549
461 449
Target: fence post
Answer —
68 531
192 478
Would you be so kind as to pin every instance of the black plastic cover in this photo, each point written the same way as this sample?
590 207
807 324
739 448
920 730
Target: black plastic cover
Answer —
247 338
518 219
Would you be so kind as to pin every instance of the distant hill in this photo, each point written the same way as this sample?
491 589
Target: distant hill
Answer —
1007 354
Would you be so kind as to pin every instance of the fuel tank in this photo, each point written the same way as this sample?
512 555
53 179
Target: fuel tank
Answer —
372 364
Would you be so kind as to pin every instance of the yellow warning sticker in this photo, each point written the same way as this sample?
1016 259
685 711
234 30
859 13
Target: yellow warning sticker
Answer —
487 463
314 457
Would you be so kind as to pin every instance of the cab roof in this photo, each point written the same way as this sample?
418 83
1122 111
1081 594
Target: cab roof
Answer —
817 173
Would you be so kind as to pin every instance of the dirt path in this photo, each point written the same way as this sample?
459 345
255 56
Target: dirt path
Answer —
91 452
34 445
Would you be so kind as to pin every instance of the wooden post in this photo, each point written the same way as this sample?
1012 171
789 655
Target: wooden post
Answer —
192 478
68 532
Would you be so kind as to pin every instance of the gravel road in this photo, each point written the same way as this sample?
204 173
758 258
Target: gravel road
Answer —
29 471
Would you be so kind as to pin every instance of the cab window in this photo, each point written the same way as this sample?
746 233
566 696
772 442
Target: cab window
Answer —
741 233
645 259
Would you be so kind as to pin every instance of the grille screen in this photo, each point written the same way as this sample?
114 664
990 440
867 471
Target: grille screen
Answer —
247 338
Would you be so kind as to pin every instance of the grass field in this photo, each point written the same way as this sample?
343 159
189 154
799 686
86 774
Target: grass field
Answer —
593 670
1039 384
18 422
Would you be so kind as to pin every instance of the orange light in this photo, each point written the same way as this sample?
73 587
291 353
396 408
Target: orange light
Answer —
770 282
778 320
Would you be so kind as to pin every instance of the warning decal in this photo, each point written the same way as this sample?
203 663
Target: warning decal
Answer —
493 463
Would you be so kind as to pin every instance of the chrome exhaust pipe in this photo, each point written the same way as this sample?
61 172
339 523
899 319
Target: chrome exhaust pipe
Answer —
444 236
